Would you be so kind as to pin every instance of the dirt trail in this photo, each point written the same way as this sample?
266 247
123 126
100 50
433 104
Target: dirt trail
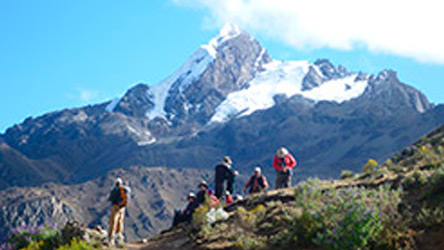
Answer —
173 240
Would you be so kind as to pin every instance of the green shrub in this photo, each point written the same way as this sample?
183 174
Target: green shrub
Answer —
370 166
350 218
347 174
415 180
77 245
43 236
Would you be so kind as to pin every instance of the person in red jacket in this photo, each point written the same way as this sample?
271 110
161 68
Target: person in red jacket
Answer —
283 162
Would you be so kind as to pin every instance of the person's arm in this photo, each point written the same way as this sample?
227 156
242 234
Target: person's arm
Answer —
111 197
276 164
247 185
291 161
266 186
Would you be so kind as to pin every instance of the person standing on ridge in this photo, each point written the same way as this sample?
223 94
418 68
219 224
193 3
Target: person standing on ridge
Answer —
224 174
283 162
257 183
119 197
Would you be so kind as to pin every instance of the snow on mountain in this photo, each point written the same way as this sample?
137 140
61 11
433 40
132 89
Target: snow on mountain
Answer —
112 105
190 70
285 78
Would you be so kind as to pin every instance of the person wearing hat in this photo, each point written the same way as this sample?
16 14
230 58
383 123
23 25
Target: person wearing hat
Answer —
283 162
119 197
257 183
187 214
224 175
203 192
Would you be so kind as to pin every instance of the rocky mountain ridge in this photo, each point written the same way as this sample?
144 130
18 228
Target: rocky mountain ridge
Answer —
229 97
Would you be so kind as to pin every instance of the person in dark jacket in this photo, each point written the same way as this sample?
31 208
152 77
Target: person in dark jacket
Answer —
224 175
283 162
257 183
187 214
203 192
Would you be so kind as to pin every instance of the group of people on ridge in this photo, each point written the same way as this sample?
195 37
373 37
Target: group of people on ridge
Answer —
225 179
224 185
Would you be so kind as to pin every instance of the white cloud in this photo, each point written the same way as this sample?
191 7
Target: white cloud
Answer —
87 95
408 28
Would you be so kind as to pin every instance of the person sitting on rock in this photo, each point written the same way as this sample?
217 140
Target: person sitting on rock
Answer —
283 162
205 195
257 183
187 214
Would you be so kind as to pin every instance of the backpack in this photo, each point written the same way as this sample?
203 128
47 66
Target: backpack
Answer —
123 199
119 196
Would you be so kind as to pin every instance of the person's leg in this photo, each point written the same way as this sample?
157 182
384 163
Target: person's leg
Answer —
278 180
176 219
218 187
288 181
230 183
112 222
121 219
285 182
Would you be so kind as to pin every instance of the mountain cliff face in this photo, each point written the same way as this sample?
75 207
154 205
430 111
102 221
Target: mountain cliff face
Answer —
229 97
156 192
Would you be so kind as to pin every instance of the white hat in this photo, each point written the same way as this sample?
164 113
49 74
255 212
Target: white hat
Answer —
119 181
282 152
191 195
257 169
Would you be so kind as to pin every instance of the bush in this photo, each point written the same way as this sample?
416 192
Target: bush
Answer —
370 166
415 180
77 245
43 236
350 218
347 174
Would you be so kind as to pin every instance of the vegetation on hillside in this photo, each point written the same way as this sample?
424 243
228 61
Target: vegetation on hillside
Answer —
394 205
48 237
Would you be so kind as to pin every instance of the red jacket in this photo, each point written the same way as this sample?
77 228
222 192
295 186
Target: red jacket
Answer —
289 161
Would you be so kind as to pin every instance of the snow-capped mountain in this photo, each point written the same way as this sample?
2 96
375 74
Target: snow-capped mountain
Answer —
189 96
229 97
233 76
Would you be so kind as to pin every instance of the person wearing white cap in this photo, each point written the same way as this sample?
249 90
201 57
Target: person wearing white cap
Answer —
187 214
283 162
257 183
119 199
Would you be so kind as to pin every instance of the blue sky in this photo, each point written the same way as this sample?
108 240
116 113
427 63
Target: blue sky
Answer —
60 54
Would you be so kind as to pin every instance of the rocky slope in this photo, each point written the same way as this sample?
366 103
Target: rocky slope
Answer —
156 192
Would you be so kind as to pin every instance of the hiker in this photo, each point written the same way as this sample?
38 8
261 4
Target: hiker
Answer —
119 199
224 174
283 162
187 214
206 194
257 183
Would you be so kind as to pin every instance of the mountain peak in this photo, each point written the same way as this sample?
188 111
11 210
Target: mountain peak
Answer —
229 30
